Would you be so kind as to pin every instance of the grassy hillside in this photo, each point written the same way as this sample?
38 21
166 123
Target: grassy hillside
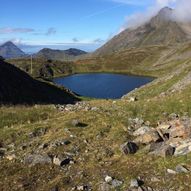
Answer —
44 68
95 146
150 60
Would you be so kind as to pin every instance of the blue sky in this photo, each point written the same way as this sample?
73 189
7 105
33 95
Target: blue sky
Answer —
61 24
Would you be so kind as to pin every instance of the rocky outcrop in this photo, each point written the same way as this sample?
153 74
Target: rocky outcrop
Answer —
167 139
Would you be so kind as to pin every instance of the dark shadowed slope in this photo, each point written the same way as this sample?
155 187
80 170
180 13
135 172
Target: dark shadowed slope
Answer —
17 87
10 50
160 30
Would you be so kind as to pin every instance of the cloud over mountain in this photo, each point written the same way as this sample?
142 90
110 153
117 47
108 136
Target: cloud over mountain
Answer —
182 12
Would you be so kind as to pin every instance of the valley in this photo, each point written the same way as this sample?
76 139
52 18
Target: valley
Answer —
141 142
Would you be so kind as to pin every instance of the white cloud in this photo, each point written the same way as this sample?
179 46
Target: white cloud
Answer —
163 3
50 31
182 10
9 30
139 18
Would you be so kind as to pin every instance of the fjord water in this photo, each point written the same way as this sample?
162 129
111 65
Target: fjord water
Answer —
102 85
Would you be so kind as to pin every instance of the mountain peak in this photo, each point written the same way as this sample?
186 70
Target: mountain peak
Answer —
165 11
163 16
8 43
9 50
162 29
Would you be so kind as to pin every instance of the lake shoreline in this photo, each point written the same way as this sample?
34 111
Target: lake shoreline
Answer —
105 72
102 85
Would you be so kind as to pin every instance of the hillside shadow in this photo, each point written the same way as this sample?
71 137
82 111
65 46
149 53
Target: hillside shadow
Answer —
17 87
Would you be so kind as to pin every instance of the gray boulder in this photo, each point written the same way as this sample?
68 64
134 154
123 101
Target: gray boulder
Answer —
129 148
162 149
37 159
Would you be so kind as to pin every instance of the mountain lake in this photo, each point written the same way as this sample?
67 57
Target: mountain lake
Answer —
102 85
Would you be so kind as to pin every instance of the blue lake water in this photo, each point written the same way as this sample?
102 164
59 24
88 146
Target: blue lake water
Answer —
102 85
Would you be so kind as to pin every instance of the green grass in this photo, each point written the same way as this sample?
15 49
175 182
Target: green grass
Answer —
106 130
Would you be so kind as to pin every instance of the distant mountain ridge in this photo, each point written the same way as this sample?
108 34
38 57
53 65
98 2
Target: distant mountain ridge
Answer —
9 50
61 55
160 30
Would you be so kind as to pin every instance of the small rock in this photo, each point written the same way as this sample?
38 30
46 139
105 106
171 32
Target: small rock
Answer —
116 183
104 187
80 188
77 123
129 148
155 179
134 183
132 99
94 109
61 161
108 179
83 188
60 143
170 171
44 146
181 169
11 157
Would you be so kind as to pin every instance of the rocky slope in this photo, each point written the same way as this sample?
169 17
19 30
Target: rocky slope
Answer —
160 30
10 50
17 87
